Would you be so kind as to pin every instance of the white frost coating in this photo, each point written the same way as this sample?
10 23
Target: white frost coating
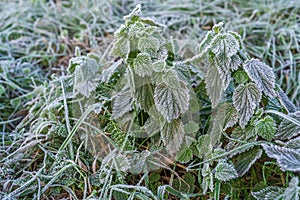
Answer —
262 75
245 99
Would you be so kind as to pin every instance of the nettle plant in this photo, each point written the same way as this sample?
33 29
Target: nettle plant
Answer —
220 108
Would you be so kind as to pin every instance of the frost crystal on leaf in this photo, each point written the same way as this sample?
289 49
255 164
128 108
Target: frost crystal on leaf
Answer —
122 103
262 75
225 171
214 85
172 135
288 159
121 48
171 102
224 44
142 65
246 160
148 44
86 79
269 193
245 99
288 129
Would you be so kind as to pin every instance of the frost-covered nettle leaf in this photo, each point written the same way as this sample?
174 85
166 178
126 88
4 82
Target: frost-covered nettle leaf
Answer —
237 37
203 145
204 44
122 102
245 160
144 96
142 162
293 191
183 71
262 75
224 43
185 154
224 117
148 44
121 162
288 129
266 128
142 65
293 144
121 48
172 135
285 101
208 178
171 79
235 62
225 171
288 159
171 102
151 126
222 63
86 79
159 65
191 127
269 193
214 85
108 72
245 99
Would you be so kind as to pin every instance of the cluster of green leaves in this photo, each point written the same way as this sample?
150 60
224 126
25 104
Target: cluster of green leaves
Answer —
214 113
241 90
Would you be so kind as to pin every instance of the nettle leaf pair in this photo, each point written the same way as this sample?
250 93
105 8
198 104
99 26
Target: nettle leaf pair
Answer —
154 83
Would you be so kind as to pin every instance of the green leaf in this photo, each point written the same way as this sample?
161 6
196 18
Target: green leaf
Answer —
225 171
121 48
245 99
122 102
171 102
241 77
144 95
142 65
191 127
148 44
262 75
288 129
172 135
203 145
208 179
266 128
214 85
185 154
246 159
288 159
187 185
